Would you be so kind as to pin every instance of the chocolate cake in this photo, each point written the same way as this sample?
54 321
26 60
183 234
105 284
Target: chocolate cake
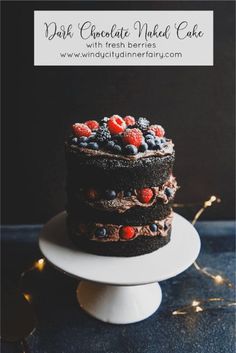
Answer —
120 186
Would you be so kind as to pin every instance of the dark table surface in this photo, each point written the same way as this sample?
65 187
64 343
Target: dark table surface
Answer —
62 327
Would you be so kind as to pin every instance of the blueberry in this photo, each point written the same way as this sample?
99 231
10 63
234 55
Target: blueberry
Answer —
169 192
117 148
163 140
143 147
101 232
153 227
158 140
149 137
131 149
93 145
151 144
91 138
110 194
110 144
157 146
150 132
127 193
74 140
83 139
83 144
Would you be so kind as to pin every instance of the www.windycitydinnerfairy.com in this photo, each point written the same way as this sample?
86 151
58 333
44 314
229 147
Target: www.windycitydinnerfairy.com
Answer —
123 54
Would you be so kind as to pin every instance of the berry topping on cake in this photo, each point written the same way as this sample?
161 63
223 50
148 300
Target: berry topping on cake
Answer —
143 124
91 194
169 192
158 130
143 147
83 144
92 124
131 149
145 195
101 232
110 194
151 144
103 134
153 227
126 136
133 137
127 232
81 130
93 145
128 193
129 120
116 124
117 149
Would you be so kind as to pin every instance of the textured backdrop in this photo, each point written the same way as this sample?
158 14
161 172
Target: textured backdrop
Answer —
194 104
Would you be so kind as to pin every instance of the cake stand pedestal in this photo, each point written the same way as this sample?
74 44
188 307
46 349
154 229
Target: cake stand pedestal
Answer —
120 290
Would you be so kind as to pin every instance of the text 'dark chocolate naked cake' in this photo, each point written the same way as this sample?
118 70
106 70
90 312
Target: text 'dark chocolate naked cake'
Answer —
120 186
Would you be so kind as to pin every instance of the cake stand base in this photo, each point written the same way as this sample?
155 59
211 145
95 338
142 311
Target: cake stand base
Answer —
119 304
120 290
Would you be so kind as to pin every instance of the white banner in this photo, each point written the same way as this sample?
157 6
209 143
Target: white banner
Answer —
123 38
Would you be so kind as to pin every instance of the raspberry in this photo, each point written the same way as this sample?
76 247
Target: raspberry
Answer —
133 137
81 130
116 124
92 124
91 194
129 120
158 130
145 195
127 232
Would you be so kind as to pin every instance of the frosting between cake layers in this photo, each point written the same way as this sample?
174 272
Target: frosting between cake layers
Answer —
113 231
167 149
123 203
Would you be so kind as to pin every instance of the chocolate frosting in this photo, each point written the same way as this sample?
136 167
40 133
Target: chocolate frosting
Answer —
167 149
123 203
113 230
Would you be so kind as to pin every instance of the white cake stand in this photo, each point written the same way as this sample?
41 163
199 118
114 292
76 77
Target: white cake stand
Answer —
120 290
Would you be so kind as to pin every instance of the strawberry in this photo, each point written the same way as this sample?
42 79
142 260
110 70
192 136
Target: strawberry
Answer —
81 130
116 124
92 124
127 232
133 137
129 120
145 195
158 130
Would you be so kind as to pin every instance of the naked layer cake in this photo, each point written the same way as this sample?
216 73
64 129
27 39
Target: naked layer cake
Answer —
120 186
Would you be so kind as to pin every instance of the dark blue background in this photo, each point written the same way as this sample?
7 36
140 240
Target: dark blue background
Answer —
194 104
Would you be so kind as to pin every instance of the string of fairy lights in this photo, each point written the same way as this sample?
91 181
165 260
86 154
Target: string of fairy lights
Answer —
195 305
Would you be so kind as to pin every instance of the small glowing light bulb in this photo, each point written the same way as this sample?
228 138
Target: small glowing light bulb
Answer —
27 297
218 279
195 303
40 264
198 309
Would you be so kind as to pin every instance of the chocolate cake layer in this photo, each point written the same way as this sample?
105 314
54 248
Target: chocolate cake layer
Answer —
119 174
138 246
135 216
